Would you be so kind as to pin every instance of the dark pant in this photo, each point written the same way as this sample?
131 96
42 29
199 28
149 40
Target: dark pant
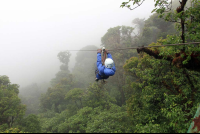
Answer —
96 71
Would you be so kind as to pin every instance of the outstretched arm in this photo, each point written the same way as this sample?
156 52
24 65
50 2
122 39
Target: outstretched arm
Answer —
99 59
99 63
109 56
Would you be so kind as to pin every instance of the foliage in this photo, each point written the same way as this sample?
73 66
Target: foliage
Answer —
76 123
97 95
81 55
161 95
84 69
64 71
54 98
172 90
13 130
97 120
75 95
51 123
117 37
64 57
112 120
11 108
30 95
30 124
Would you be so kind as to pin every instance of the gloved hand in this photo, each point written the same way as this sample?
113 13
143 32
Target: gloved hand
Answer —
99 50
107 51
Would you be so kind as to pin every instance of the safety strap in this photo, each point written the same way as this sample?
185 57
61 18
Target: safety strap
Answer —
103 58
97 72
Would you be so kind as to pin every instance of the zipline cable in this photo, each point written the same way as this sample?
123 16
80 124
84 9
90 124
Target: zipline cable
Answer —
143 46
158 46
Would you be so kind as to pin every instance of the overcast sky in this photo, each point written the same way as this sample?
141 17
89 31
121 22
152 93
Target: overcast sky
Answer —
33 32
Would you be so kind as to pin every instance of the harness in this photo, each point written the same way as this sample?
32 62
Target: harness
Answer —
97 72
103 58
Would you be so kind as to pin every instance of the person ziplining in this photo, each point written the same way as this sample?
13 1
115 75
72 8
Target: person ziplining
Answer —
105 69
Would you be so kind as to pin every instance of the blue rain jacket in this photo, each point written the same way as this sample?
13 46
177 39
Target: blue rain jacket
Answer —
104 72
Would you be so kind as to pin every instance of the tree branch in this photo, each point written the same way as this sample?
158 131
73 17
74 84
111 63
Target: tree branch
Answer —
155 54
192 64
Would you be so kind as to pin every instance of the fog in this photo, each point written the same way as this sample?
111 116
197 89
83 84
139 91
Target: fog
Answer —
33 32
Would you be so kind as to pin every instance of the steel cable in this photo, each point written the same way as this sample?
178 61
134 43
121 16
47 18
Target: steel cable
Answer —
143 46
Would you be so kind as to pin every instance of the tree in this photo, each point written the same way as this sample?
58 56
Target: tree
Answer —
187 21
75 95
97 95
54 98
97 120
30 124
12 130
139 24
114 38
11 108
29 96
162 94
112 120
84 69
64 57
51 124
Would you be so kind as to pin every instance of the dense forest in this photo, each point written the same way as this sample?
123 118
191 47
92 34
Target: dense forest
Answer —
154 89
